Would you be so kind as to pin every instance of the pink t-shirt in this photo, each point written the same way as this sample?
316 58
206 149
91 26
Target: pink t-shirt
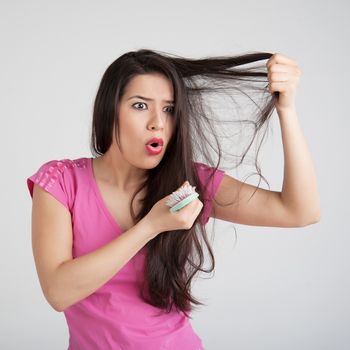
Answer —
114 316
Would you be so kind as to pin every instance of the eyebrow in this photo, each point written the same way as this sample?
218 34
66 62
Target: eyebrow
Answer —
148 99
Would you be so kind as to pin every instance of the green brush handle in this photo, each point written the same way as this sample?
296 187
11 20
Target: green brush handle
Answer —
184 202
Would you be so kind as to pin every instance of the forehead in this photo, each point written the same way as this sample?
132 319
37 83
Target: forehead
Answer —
155 86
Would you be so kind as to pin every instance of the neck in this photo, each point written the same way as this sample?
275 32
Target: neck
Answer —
115 171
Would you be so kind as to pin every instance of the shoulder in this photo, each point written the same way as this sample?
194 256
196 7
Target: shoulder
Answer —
61 166
209 174
209 178
202 167
59 177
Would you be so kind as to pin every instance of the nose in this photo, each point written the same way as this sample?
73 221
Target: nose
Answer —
157 120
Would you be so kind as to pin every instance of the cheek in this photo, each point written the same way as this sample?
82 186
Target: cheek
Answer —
132 133
130 126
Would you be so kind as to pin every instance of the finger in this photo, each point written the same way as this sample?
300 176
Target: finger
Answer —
279 58
283 68
278 77
280 86
279 67
186 182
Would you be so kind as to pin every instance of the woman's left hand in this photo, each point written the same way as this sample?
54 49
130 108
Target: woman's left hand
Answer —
283 75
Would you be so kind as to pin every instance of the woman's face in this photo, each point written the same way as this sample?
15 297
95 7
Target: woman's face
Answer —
141 118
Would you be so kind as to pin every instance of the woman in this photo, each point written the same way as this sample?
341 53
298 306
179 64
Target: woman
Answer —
108 251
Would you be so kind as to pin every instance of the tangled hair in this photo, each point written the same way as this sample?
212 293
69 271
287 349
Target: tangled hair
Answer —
174 257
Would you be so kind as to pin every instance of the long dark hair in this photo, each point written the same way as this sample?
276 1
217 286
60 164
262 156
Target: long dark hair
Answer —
174 257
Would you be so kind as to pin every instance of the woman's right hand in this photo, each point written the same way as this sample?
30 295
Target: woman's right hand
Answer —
160 218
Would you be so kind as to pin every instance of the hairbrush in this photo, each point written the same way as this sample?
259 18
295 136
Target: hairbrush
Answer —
181 197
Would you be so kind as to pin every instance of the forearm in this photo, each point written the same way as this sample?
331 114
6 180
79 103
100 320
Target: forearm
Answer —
76 279
299 191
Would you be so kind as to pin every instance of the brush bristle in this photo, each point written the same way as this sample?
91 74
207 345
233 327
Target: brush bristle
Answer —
182 193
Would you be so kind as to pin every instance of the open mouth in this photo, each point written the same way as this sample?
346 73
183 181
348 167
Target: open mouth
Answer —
154 148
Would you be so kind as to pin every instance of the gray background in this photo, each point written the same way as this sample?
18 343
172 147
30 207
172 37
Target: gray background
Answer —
277 288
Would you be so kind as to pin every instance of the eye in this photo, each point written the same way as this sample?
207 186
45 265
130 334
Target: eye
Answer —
138 103
172 109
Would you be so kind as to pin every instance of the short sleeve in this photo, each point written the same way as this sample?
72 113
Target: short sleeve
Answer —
50 178
204 172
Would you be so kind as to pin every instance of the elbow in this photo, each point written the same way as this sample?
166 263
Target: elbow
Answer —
54 301
311 219
57 307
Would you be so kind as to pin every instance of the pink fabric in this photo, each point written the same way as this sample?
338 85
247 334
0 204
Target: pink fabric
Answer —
114 316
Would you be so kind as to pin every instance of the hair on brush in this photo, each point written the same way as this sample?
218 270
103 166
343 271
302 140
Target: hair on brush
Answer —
181 197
